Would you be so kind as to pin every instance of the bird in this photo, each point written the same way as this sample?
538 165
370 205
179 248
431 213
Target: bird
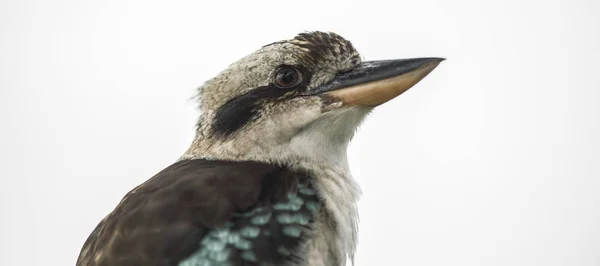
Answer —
266 179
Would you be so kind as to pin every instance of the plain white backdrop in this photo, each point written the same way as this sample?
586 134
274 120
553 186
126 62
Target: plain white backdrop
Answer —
493 159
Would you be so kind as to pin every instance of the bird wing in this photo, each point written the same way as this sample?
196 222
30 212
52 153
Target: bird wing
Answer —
202 212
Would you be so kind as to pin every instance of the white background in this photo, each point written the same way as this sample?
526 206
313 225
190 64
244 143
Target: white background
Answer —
493 159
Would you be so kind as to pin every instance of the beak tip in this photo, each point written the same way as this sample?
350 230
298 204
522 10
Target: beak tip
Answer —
433 60
433 63
438 59
429 64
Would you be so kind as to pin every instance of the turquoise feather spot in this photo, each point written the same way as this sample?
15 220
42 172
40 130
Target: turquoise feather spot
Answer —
261 219
213 244
301 218
287 206
232 238
294 199
243 244
219 233
306 191
250 231
249 256
285 218
292 231
312 206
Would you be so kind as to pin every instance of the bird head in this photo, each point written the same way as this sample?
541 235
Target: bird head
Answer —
297 99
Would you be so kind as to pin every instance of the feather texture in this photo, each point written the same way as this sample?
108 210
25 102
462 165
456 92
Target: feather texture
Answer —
203 212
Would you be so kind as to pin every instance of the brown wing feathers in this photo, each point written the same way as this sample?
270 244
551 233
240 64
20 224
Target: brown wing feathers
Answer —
165 220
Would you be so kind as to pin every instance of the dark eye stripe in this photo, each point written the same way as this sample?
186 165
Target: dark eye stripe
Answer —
240 110
243 109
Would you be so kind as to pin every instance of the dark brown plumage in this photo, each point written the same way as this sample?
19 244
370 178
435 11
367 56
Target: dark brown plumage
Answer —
164 220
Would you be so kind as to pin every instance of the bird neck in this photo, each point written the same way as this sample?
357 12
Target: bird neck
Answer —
305 148
325 159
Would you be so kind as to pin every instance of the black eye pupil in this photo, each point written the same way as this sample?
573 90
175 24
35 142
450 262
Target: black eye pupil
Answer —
287 77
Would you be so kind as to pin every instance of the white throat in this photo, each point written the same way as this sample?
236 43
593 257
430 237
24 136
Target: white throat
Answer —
325 141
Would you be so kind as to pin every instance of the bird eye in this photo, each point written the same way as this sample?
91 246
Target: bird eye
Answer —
287 77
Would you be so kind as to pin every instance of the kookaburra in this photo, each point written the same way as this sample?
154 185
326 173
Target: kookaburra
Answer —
266 180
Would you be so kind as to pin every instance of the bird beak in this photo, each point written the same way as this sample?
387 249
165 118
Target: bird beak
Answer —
375 82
